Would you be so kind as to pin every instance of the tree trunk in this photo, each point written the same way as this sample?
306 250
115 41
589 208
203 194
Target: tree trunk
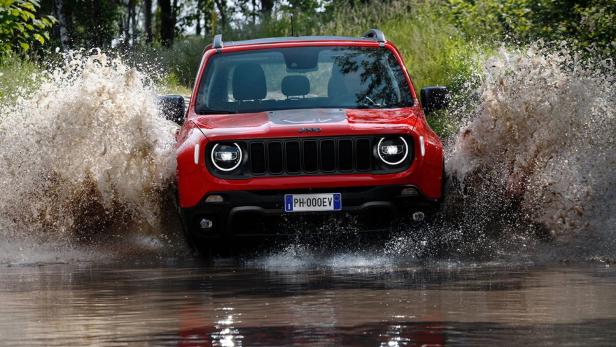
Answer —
65 39
210 18
96 40
133 24
222 10
167 25
254 12
147 15
199 11
266 8
130 6
175 9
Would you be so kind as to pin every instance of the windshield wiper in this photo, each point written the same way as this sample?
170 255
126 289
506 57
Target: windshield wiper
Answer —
367 102
379 107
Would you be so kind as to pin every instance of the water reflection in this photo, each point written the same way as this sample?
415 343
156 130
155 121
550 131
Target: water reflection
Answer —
234 305
226 334
194 329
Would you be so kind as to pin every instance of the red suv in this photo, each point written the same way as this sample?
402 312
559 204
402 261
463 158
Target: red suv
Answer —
303 125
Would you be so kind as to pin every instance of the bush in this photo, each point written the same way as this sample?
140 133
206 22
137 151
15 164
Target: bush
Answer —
175 68
19 26
17 74
584 24
182 61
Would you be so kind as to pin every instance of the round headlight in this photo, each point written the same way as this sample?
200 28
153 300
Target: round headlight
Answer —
226 157
392 150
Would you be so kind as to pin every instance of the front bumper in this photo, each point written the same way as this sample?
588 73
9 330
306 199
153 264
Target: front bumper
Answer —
250 213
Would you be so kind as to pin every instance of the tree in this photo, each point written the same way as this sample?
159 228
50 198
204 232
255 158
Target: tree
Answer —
267 6
586 23
198 12
305 6
132 17
58 10
90 23
129 23
221 6
199 15
147 20
167 22
20 28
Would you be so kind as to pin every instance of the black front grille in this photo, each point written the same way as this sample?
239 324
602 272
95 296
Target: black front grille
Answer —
312 156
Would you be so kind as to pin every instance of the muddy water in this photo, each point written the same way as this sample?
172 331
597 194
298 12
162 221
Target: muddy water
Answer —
337 302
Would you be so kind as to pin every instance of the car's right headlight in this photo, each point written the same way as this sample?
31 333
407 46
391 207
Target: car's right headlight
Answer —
392 150
226 157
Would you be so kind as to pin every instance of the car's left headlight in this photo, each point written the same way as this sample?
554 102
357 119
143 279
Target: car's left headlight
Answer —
392 150
226 157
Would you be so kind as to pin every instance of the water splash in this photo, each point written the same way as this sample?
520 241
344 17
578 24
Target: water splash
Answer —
85 155
538 151
298 256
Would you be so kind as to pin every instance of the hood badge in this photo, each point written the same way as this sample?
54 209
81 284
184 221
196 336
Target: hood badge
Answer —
309 130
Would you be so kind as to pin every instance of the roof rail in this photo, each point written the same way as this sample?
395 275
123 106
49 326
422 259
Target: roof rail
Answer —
375 34
217 43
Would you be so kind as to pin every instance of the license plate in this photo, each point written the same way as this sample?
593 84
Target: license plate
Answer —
312 202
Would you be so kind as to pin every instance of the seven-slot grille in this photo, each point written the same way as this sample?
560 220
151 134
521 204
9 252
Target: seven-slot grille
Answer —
313 156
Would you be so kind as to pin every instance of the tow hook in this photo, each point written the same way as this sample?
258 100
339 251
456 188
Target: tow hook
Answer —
419 216
206 224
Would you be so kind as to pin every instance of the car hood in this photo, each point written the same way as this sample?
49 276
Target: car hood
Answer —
307 122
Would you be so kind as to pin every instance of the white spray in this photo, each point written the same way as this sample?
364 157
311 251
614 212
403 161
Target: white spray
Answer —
86 152
542 139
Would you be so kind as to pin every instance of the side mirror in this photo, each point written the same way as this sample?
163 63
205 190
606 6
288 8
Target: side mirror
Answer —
172 107
434 98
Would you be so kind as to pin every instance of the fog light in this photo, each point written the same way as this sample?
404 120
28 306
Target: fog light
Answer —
206 224
410 191
418 216
214 198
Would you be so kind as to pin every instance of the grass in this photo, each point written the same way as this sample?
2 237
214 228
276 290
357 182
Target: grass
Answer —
171 85
16 74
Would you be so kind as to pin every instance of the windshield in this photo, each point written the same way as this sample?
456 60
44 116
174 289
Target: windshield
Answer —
302 77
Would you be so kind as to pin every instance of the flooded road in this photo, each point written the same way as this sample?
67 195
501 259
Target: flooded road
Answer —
346 300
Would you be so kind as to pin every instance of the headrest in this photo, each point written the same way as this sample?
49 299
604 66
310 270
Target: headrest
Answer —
249 82
295 85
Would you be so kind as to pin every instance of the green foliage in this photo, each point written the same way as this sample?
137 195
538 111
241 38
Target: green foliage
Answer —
17 74
288 21
92 24
20 28
585 24
179 63
490 19
598 26
183 60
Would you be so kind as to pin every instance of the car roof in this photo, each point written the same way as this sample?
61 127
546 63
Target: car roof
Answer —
295 39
